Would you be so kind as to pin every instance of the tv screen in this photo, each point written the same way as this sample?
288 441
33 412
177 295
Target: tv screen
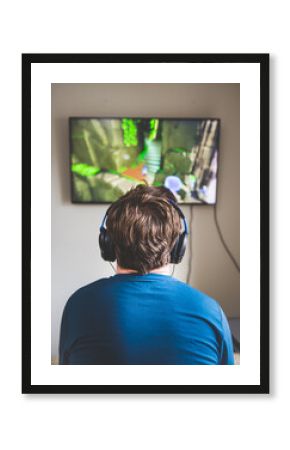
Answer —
110 156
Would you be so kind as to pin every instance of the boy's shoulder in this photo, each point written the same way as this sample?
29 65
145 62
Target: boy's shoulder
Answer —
85 292
200 298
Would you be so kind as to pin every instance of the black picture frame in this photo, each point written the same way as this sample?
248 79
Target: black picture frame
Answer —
263 61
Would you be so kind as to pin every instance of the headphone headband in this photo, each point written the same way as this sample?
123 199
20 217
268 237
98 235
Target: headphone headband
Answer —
177 253
180 213
102 226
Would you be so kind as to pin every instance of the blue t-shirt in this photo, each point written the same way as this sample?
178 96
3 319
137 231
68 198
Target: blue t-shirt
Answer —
143 319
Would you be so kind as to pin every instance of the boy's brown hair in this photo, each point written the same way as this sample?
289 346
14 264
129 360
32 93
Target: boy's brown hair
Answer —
143 227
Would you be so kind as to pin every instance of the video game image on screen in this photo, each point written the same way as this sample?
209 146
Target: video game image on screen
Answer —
109 156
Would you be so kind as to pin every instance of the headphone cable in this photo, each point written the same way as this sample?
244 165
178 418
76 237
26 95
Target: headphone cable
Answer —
112 266
172 270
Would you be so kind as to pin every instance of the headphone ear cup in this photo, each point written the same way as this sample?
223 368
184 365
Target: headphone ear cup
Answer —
174 252
178 251
182 246
106 246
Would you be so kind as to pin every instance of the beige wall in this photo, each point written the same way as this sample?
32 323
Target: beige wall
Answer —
75 254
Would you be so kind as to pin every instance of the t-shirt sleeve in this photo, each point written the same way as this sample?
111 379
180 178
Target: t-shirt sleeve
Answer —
227 350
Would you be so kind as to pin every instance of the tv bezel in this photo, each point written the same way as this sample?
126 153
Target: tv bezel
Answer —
71 118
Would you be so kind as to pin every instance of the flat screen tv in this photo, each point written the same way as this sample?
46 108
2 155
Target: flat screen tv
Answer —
109 156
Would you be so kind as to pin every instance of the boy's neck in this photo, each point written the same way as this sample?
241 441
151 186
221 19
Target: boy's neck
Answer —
164 269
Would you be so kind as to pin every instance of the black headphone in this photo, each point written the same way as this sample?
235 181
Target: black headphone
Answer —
177 253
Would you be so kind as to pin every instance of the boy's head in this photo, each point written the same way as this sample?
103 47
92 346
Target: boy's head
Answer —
143 227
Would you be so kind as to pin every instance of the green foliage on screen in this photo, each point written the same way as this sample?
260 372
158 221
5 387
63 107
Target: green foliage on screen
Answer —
85 169
130 132
153 129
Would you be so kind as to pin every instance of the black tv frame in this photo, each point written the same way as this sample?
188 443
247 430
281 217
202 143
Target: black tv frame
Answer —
71 118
